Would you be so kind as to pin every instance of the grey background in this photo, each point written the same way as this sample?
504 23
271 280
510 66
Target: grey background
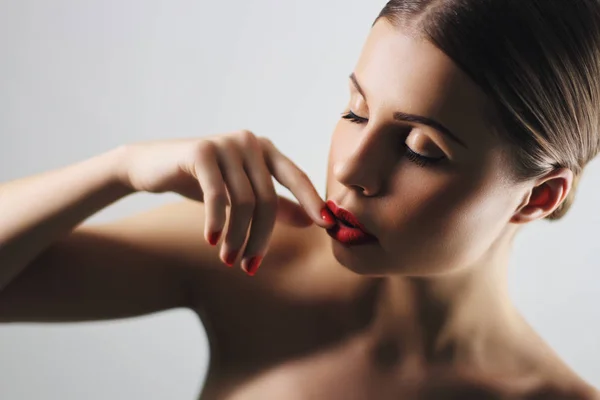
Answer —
80 77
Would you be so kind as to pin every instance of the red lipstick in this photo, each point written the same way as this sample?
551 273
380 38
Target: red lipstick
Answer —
348 229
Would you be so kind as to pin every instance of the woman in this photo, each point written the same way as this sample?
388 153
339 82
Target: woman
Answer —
466 120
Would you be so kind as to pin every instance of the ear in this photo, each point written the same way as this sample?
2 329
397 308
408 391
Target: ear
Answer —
545 196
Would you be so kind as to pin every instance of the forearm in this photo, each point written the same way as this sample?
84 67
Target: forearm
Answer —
37 210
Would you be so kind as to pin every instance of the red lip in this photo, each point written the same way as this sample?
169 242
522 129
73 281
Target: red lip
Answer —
348 230
346 216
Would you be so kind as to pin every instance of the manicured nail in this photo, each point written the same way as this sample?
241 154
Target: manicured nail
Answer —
251 265
213 238
231 256
327 216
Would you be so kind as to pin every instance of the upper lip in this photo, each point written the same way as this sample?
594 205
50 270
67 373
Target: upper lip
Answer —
346 216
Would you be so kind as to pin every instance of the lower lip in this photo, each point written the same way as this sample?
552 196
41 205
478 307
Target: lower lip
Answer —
348 235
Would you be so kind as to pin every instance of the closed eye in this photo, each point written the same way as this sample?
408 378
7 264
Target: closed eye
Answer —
353 117
411 155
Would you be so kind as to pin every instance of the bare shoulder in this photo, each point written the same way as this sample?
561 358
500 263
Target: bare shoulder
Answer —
542 371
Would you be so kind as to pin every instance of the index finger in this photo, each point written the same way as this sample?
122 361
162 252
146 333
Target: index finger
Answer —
293 178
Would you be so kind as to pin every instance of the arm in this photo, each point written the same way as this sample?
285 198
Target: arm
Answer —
52 268
35 211
133 266
148 262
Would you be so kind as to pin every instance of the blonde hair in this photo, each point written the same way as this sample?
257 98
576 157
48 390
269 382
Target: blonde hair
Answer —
539 63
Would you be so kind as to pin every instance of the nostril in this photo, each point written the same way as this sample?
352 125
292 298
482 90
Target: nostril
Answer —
364 191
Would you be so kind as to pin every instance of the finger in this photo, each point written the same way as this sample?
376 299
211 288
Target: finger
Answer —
293 178
214 192
242 200
265 210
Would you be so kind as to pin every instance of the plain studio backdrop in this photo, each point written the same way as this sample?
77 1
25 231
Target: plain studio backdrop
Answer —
80 77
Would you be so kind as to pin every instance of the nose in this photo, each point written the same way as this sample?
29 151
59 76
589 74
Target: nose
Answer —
366 169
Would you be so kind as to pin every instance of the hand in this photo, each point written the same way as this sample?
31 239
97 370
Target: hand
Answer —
235 170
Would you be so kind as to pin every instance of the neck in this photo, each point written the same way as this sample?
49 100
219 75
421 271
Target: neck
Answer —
457 318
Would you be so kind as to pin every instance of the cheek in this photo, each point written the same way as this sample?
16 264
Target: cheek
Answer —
474 226
442 222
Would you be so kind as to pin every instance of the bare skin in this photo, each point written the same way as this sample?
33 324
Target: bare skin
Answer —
422 313
306 327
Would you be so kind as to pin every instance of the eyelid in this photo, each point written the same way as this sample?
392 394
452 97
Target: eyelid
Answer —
445 149
414 156
427 143
351 115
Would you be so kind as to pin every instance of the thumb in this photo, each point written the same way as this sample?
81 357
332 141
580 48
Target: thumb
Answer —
292 213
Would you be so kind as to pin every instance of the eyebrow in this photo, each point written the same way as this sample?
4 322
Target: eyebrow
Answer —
419 119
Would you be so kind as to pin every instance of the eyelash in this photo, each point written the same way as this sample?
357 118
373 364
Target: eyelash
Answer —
412 156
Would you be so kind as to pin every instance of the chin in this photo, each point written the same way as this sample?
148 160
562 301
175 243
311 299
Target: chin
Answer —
353 258
365 260
362 260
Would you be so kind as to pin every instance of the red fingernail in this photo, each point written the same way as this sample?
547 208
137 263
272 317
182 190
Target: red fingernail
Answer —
327 215
213 238
252 265
231 256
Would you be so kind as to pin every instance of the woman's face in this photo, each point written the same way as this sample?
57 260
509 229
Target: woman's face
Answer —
428 217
